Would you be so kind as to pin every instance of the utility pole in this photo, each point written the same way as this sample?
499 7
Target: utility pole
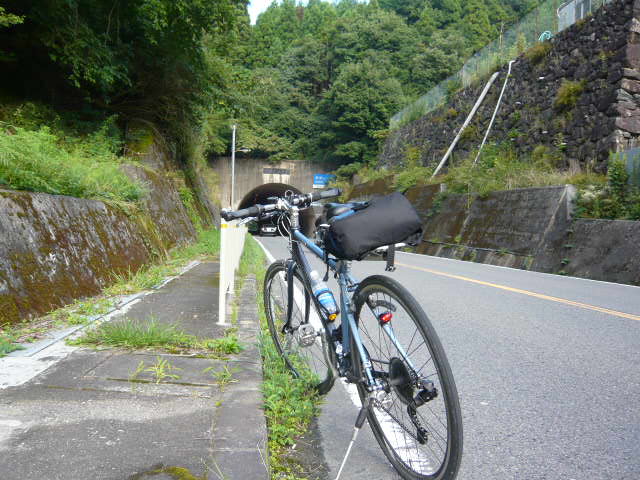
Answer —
233 166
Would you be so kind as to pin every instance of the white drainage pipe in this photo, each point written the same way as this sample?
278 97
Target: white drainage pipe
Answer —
466 123
495 112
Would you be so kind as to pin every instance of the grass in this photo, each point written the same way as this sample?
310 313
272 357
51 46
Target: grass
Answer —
39 161
81 311
289 405
207 246
7 343
141 335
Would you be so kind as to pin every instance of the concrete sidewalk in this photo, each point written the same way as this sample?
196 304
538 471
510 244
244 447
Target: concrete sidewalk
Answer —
91 416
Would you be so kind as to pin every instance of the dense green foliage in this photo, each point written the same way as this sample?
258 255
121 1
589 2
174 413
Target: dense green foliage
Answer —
315 81
337 72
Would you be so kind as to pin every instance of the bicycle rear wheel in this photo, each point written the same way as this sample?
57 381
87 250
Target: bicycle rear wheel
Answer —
303 345
421 441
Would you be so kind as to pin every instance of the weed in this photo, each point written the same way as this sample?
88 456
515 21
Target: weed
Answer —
222 377
289 405
545 157
470 133
229 344
162 369
76 319
133 376
568 95
538 52
133 334
7 342
188 200
451 113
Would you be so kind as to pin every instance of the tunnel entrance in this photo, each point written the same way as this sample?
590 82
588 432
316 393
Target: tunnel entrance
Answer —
261 193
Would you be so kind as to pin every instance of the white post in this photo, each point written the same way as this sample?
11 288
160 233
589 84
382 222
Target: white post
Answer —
233 166
232 238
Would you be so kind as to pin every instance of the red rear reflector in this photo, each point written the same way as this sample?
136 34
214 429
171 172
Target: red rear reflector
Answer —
385 317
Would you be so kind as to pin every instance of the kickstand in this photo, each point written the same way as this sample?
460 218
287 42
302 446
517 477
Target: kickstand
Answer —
359 422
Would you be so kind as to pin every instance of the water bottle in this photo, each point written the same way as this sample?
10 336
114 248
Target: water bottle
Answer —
323 294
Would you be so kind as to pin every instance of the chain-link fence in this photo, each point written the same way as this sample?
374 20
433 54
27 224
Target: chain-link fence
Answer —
548 19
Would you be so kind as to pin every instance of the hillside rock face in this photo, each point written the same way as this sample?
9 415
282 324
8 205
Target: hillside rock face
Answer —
599 56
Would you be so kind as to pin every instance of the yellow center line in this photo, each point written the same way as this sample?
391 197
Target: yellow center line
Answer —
526 292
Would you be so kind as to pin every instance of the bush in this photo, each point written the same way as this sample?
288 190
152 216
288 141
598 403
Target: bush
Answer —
538 52
613 199
349 170
568 95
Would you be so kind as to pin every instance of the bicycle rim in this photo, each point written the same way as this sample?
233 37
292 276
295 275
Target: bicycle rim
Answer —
308 359
429 446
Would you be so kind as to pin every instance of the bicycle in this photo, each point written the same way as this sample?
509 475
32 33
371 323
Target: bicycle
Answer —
384 343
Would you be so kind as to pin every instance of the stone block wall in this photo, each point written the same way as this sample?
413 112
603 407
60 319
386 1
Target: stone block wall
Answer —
601 53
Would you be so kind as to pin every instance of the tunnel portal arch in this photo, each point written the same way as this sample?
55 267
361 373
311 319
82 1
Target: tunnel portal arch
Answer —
261 193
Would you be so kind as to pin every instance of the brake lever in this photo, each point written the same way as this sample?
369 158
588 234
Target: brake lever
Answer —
246 220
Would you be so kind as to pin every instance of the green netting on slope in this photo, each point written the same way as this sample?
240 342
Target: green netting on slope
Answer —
548 17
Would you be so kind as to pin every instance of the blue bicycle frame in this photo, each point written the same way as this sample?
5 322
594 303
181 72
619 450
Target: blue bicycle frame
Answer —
346 283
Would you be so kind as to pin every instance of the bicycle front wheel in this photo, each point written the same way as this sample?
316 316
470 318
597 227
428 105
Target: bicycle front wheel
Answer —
303 344
422 440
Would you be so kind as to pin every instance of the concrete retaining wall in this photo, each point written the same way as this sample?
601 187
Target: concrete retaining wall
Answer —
597 249
527 228
54 249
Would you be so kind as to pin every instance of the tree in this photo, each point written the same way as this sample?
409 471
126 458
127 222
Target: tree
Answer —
358 105
8 19
410 10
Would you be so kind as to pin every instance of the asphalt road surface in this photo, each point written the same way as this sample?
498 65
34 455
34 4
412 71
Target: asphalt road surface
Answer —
547 370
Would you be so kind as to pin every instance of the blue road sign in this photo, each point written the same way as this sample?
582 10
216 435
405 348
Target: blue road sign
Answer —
321 180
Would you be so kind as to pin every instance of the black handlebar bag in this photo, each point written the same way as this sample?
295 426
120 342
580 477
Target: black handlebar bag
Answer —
383 221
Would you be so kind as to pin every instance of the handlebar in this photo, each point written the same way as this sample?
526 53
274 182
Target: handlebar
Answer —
301 200
324 194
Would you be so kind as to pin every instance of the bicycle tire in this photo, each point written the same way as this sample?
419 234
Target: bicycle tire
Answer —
396 433
311 363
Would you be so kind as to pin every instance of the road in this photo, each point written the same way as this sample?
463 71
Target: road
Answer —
547 370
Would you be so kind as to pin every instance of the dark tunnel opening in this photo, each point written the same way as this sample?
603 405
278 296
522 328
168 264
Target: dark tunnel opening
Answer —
263 192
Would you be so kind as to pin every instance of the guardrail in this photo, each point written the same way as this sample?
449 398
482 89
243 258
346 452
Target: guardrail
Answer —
232 238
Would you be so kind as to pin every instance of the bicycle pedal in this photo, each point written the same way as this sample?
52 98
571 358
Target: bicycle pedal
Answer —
306 335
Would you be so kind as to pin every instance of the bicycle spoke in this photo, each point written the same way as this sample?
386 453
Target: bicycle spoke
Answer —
397 352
